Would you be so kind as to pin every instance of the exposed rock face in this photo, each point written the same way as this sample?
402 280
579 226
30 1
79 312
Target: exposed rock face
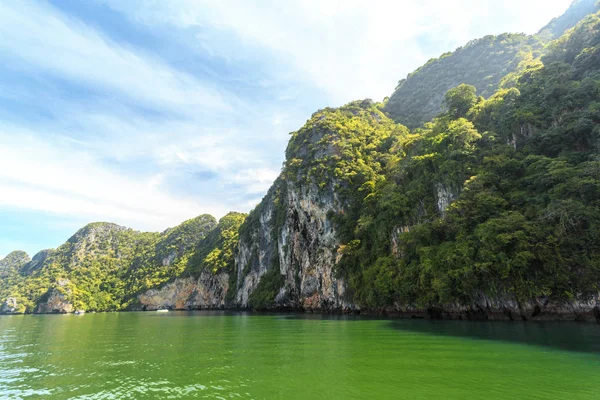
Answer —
10 306
506 308
307 247
445 197
57 301
206 292
36 262
303 247
256 252
395 240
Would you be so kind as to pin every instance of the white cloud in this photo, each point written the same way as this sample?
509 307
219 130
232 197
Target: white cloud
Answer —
37 36
63 165
38 175
352 48
68 177
256 180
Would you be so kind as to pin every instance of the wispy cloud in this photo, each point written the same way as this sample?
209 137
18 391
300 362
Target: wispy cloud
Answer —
351 48
84 158
57 179
37 36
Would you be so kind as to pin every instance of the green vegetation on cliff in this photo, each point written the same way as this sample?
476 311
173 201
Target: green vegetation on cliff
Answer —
488 64
103 266
500 199
482 63
12 263
216 252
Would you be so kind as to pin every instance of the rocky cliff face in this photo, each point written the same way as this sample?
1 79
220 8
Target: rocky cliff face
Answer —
206 292
504 308
300 251
301 247
10 306
288 248
307 250
57 299
36 262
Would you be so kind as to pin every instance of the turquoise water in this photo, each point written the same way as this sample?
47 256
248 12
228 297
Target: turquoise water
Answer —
224 355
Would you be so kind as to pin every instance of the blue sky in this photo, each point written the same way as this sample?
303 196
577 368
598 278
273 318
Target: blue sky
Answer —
148 113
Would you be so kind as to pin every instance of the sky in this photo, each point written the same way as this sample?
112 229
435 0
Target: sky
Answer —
148 113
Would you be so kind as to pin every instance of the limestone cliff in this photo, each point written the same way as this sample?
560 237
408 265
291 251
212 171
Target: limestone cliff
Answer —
206 292
102 267
295 239
289 245
56 300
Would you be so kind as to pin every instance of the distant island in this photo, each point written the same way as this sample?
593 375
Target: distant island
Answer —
472 192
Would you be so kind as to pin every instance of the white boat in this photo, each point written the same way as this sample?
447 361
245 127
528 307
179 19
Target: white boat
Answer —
79 312
162 310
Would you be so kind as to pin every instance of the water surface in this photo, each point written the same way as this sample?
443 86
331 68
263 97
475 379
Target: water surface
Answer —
225 355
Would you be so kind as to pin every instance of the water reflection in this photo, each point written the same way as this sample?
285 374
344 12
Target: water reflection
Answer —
566 336
560 335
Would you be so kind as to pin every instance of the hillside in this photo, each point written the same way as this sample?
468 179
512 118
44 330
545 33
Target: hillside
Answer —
101 267
578 10
488 64
482 63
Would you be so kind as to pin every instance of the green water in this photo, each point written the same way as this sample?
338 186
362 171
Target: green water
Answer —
220 355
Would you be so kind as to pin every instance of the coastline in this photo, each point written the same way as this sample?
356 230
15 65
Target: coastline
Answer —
466 314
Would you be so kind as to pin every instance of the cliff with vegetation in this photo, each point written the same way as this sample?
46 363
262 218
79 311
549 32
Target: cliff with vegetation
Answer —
578 10
485 63
102 267
490 210
489 63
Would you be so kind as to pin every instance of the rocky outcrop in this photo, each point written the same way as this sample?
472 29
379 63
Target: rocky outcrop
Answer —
256 250
444 197
295 236
36 262
57 299
502 308
10 306
395 240
307 250
206 292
